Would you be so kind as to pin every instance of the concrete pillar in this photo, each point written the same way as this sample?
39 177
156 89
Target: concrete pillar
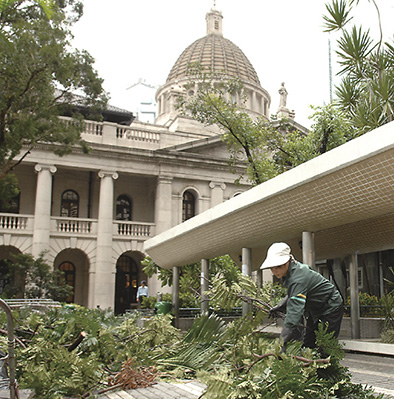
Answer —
102 278
175 295
354 298
217 190
308 249
246 271
42 210
204 286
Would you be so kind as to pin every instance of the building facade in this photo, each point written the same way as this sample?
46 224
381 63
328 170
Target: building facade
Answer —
89 214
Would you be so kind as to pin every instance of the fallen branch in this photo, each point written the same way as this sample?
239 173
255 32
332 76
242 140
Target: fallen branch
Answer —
306 362
79 339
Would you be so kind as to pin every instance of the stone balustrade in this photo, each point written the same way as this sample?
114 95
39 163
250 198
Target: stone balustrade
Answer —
12 222
133 229
114 134
74 225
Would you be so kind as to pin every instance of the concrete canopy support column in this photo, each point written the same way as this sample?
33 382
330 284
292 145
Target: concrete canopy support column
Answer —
42 210
102 284
175 294
204 286
246 271
354 298
308 249
217 189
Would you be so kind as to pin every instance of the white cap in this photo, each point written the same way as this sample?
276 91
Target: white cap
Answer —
278 254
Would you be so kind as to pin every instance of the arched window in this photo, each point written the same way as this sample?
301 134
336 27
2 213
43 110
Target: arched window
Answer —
70 204
126 283
188 206
11 205
123 208
69 274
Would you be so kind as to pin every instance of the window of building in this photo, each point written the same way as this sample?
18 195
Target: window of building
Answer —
123 208
216 25
70 204
69 274
188 206
11 205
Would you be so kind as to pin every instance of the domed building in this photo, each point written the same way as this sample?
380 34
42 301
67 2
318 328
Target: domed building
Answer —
215 54
91 213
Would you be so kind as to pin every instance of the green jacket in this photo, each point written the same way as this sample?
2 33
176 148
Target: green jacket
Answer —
309 294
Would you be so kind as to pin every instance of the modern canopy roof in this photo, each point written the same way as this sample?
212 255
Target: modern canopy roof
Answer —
345 197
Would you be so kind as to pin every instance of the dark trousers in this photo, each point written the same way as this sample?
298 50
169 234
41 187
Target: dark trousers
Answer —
333 320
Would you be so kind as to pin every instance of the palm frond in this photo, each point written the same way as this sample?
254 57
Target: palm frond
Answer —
338 15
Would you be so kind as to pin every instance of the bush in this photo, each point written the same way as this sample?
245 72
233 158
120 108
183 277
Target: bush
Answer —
370 305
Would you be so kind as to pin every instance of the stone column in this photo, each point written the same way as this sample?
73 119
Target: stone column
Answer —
102 278
204 285
308 249
175 295
246 271
163 220
163 204
42 210
354 298
217 189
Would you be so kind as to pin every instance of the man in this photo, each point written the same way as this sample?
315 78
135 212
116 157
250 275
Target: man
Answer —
143 291
309 295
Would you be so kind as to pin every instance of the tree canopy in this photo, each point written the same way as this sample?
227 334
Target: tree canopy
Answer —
269 147
41 77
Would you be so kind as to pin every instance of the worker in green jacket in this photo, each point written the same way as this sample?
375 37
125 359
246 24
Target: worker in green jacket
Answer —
309 295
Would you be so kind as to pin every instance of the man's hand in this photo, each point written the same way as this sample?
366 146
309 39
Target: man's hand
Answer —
279 308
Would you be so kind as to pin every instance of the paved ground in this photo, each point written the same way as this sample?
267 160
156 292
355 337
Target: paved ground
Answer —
371 370
376 371
368 369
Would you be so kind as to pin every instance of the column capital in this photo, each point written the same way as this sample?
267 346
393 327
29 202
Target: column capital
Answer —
214 184
108 173
164 179
39 167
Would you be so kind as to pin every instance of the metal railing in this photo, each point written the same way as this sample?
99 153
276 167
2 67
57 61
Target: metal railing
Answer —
34 303
12 384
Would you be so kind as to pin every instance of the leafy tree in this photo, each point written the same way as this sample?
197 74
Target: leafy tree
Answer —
39 77
33 278
46 5
366 92
269 147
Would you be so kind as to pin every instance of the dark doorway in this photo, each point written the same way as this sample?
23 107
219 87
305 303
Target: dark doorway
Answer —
126 284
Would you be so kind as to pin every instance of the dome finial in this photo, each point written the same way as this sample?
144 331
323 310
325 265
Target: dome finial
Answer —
214 21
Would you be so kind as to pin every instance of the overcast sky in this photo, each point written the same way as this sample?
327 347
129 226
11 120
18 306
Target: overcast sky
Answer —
283 39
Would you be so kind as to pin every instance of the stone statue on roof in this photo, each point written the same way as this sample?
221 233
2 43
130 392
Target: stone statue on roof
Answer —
283 95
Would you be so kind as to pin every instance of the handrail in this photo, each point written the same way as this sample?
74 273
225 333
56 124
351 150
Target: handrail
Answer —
14 392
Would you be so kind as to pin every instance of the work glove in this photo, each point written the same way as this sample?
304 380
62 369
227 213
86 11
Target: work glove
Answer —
279 308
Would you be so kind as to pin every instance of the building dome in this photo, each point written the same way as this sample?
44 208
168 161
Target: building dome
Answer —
216 54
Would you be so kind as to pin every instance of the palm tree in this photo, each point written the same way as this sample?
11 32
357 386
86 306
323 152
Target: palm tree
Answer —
366 91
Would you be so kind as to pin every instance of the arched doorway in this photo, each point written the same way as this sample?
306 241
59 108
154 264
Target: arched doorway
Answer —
126 283
75 265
